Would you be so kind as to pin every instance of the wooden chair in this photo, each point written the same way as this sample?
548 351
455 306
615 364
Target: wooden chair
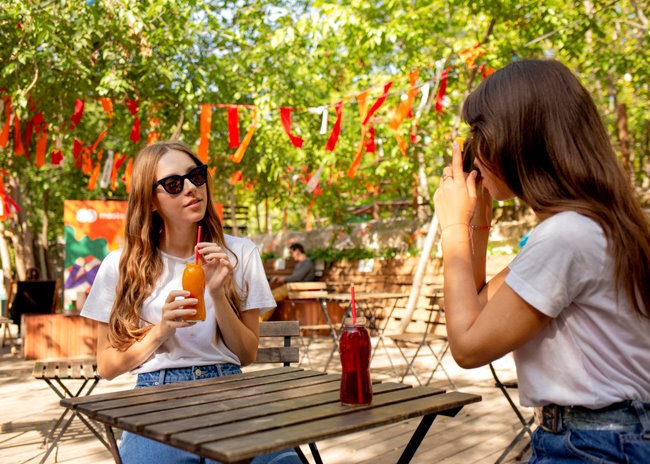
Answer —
432 332
314 291
5 323
286 353
525 429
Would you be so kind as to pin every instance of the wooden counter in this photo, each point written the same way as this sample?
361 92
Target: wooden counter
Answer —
58 336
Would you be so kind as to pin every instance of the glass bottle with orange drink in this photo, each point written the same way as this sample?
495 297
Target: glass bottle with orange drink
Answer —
194 282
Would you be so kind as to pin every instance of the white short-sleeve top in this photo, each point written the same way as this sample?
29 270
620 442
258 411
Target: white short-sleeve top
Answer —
189 346
596 349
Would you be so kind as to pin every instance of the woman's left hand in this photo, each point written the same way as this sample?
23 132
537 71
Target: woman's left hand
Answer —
455 198
216 265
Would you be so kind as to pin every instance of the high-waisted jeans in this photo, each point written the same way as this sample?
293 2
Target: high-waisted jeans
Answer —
616 435
135 449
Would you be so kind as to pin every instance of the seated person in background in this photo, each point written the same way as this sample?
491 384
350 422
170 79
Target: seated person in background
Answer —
304 270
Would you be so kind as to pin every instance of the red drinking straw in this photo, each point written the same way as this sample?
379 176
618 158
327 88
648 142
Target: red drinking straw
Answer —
354 308
198 239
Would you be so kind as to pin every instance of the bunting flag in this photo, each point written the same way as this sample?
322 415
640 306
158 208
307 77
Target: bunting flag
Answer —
4 135
236 177
336 130
87 160
380 101
233 126
99 139
285 116
92 181
107 170
107 105
6 200
56 157
441 90
239 154
117 164
133 107
314 181
423 100
41 145
78 113
405 105
128 173
362 102
206 123
18 143
76 151
154 134
212 170
370 142
323 123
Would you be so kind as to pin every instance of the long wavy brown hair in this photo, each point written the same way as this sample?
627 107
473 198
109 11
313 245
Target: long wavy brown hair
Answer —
536 127
140 264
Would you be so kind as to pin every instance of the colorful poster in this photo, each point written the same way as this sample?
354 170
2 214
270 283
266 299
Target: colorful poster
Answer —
92 230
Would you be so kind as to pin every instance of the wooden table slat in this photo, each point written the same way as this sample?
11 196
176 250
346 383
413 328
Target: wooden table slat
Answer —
51 369
75 402
305 415
250 445
219 393
39 370
307 387
76 371
272 415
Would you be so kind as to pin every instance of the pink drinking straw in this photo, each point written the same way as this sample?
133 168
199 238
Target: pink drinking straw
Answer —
198 239
354 308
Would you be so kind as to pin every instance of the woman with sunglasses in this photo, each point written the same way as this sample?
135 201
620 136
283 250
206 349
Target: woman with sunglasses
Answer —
138 300
574 304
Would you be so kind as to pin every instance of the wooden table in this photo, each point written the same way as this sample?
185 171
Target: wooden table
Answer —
233 419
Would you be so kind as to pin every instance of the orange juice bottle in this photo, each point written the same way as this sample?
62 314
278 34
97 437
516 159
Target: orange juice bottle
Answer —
194 282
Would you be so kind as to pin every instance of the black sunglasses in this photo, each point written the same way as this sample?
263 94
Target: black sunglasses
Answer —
174 184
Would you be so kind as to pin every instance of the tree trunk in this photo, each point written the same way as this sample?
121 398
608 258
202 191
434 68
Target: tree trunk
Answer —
624 140
22 238
44 247
5 259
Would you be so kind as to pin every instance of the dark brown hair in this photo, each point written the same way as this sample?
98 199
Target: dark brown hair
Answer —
140 264
535 126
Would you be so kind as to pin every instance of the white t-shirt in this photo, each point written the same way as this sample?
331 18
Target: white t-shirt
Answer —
596 349
189 346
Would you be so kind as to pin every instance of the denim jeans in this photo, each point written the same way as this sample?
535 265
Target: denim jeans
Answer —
135 449
621 435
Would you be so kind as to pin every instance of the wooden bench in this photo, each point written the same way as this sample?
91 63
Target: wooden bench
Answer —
56 373
285 353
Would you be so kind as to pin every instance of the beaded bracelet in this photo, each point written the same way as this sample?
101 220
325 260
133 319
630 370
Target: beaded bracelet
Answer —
474 227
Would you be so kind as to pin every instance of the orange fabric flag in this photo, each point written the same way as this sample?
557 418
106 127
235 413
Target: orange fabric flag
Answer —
92 182
18 143
107 104
4 135
362 100
236 177
99 139
239 154
87 161
405 106
206 122
117 164
127 175
154 135
41 145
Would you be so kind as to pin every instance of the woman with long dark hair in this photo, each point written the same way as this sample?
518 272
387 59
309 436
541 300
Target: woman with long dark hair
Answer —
574 304
138 299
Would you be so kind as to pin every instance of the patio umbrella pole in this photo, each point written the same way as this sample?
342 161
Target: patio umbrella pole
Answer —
419 273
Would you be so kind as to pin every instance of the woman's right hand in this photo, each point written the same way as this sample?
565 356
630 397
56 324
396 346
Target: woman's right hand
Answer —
173 311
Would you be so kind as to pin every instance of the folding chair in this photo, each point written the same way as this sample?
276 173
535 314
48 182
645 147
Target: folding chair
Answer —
504 386
314 291
433 319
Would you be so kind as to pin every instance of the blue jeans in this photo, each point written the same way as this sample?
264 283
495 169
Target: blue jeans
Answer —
139 450
621 435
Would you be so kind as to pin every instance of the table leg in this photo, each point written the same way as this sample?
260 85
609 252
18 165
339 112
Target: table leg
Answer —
315 453
301 455
416 439
113 444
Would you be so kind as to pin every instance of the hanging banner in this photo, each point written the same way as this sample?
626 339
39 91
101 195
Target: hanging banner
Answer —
206 123
285 116
78 113
336 130
380 101
239 154
233 126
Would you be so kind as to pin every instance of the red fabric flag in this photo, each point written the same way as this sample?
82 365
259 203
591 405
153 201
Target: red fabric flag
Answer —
285 116
239 154
380 101
206 123
18 143
4 135
57 157
135 130
41 145
441 90
336 130
413 131
370 142
76 151
233 126
78 113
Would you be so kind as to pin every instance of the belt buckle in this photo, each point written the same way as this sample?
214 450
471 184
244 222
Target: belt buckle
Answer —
548 417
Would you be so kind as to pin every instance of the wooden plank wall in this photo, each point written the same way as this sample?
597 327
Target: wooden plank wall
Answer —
58 336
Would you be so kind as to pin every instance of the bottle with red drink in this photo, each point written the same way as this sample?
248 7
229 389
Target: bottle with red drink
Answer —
356 387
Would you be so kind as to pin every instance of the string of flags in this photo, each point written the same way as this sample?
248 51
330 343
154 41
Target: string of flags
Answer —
88 157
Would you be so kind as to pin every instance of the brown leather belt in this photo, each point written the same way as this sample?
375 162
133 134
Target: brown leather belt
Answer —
552 417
